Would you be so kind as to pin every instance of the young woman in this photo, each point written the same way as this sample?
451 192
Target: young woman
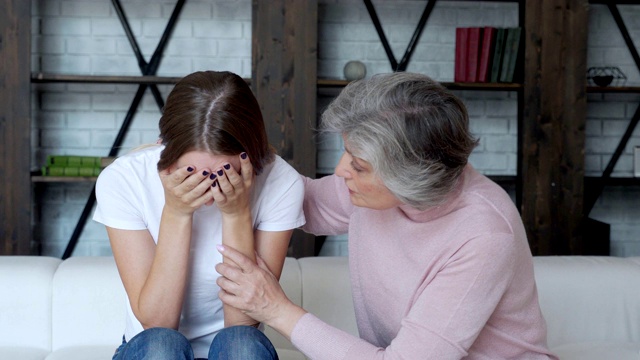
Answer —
439 261
212 179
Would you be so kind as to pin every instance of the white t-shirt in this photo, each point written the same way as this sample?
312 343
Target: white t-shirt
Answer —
130 196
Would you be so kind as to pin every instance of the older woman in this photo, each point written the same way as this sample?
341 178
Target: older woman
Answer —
439 261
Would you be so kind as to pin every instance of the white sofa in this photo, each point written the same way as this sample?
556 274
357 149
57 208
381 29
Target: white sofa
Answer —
74 309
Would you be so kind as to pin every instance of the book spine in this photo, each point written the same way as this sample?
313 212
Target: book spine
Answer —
70 171
498 51
78 161
488 43
73 160
473 53
461 55
510 57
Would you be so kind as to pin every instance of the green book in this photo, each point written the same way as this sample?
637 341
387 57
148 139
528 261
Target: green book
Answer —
511 54
74 161
70 171
497 55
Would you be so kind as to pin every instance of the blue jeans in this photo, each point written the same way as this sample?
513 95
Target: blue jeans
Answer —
232 343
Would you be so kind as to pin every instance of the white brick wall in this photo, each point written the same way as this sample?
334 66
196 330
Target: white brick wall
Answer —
85 37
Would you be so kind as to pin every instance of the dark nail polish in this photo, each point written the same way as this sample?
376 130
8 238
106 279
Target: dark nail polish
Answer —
189 169
205 173
227 166
215 183
212 176
243 155
220 172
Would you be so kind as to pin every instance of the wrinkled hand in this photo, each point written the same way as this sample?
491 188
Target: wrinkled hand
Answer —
232 190
186 189
251 287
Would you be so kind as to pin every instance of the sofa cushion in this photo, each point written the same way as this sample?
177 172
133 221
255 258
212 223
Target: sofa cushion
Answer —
92 352
326 291
22 353
598 351
321 285
589 299
25 318
89 304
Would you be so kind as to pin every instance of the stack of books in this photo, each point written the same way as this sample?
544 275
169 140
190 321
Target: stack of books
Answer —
488 54
71 165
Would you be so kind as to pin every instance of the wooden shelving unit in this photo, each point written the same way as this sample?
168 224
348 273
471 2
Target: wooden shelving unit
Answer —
289 72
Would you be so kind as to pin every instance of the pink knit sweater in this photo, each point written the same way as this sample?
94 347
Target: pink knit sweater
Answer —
448 283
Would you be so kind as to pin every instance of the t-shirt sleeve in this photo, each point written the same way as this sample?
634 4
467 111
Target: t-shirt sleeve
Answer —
117 195
327 206
282 209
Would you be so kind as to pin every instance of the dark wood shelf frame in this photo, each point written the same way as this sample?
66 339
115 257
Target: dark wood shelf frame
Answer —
15 128
552 134
551 231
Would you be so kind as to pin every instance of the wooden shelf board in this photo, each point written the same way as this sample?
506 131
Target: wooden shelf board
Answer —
336 83
52 179
613 181
482 86
102 79
618 2
105 79
613 89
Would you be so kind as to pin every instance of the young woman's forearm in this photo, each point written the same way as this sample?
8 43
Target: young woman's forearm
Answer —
237 231
161 298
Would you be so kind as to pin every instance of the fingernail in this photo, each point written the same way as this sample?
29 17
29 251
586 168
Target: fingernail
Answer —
212 176
189 169
227 166
220 172
215 183
243 155
205 173
220 247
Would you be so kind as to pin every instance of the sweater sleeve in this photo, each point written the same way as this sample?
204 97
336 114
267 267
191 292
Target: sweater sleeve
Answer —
327 206
445 317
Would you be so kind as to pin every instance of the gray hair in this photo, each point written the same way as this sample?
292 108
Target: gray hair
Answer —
413 132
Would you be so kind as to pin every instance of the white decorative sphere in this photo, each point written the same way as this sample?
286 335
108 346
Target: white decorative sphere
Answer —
354 70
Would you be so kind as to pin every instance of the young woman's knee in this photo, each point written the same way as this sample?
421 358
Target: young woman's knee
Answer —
157 344
241 342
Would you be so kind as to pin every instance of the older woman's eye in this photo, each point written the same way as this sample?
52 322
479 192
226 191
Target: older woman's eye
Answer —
355 167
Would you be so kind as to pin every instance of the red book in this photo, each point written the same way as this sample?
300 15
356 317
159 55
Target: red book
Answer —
488 41
460 73
473 53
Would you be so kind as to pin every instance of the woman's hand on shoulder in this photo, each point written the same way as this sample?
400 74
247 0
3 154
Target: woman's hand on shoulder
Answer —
186 189
232 188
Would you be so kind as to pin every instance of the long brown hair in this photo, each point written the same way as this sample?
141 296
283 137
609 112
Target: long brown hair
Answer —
214 112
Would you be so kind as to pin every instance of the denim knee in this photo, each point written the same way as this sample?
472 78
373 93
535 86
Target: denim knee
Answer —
240 343
156 344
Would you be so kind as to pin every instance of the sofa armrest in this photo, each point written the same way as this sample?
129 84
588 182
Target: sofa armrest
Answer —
25 318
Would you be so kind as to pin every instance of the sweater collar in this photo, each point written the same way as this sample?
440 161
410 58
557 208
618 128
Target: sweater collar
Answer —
446 207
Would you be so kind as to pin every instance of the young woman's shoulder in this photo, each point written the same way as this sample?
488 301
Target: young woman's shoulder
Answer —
279 170
137 161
